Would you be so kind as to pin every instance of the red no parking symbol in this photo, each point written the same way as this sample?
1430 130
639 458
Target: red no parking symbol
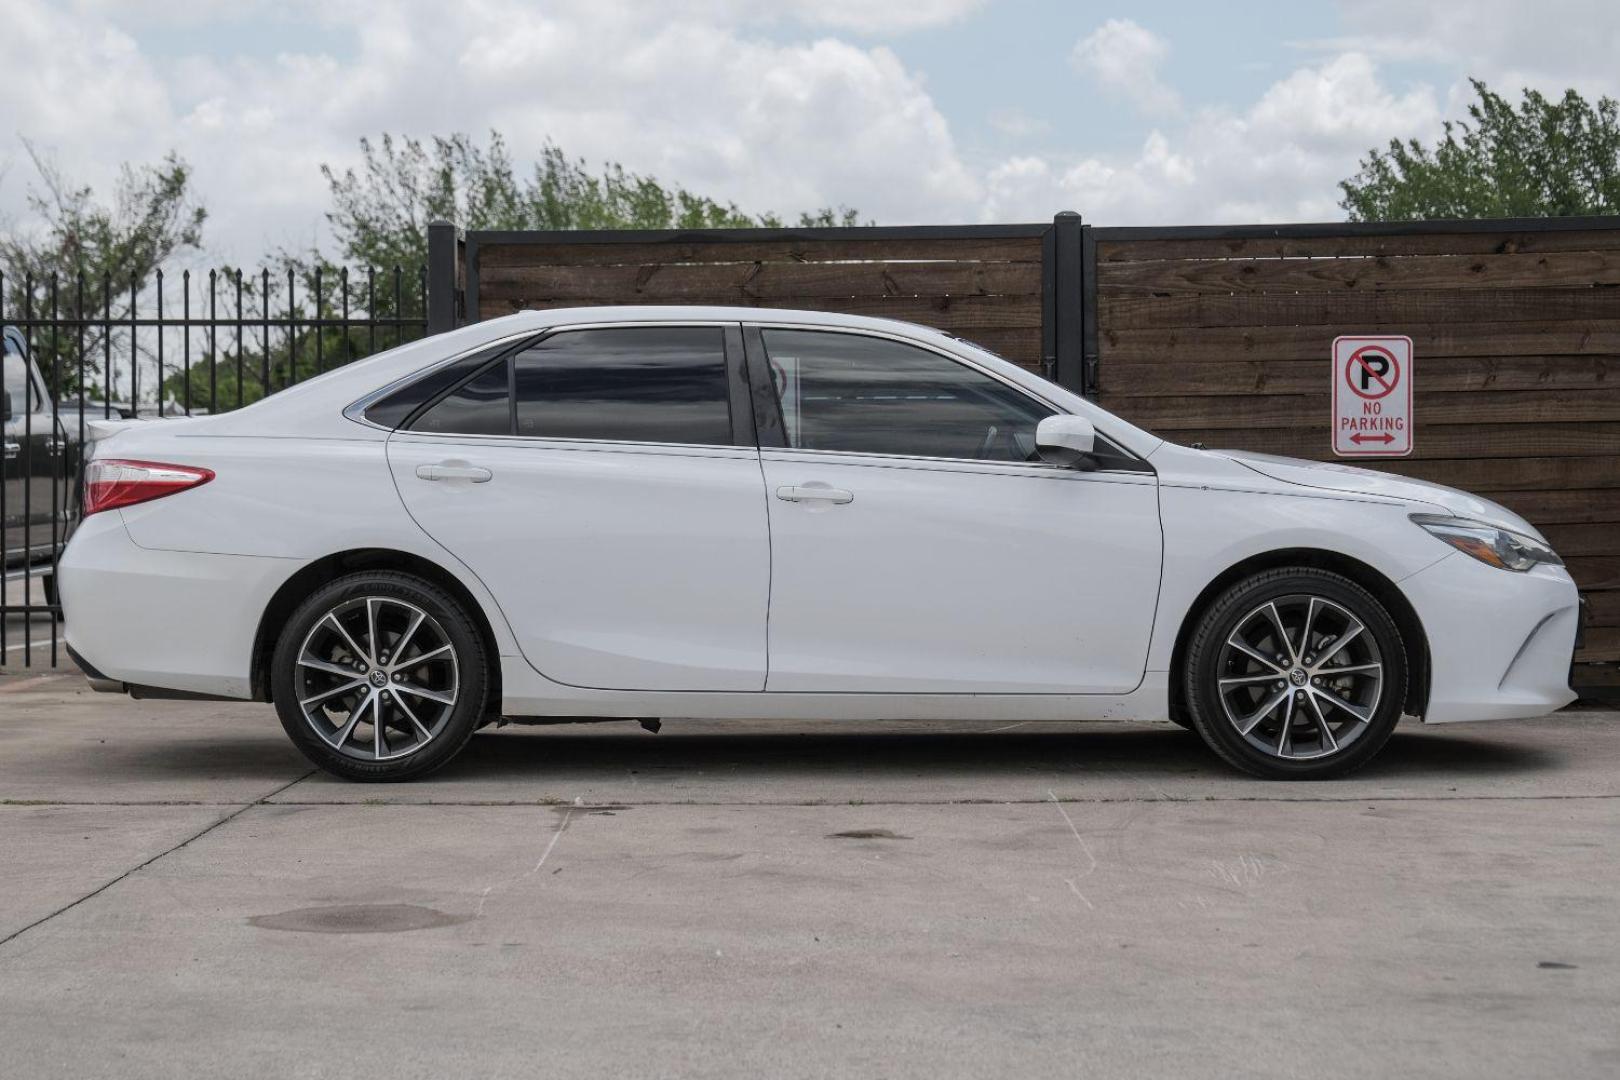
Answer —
1372 372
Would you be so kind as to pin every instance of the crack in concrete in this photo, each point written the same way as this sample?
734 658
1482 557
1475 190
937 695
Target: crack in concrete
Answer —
241 808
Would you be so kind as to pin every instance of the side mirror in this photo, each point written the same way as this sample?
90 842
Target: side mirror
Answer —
1066 440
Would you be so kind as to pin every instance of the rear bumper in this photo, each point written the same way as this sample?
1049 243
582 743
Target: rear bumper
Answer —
139 620
1500 643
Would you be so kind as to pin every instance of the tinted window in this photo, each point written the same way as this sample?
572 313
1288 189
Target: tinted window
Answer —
395 409
642 384
871 395
14 379
481 406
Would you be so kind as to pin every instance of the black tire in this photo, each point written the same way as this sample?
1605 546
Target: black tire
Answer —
1301 597
421 745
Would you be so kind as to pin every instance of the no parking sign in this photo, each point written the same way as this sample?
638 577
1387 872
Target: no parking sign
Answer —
1372 396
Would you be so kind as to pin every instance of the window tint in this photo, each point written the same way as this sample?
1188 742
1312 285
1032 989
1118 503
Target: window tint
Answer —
15 381
481 406
870 395
643 384
395 409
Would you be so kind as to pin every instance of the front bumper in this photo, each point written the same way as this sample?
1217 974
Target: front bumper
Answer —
1500 643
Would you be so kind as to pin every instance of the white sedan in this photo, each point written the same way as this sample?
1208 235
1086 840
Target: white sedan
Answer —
643 512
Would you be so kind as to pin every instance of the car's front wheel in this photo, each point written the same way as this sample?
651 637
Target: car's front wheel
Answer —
379 676
1296 674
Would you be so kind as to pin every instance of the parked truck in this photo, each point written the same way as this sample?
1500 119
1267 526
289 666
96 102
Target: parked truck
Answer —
39 493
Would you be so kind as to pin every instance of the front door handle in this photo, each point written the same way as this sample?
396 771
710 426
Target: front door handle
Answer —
814 493
454 470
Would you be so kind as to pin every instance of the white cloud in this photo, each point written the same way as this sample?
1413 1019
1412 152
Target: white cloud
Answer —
1124 58
811 113
691 98
886 16
1278 160
1017 124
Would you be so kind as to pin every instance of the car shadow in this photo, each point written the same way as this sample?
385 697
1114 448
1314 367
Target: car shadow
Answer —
1147 753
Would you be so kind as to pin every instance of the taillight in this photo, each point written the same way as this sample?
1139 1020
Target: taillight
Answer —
113 482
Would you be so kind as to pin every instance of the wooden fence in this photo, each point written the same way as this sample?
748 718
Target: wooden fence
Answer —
984 283
1220 335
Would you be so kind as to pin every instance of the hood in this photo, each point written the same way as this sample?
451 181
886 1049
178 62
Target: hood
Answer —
1331 476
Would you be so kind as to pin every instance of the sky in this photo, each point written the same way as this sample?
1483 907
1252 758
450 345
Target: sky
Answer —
912 111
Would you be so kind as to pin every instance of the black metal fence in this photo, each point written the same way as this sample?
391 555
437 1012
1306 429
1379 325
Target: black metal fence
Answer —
77 349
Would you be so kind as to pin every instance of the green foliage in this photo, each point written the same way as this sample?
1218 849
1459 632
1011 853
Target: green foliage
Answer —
1543 159
380 214
101 255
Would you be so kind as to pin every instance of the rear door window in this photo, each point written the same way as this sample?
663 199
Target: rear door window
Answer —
660 384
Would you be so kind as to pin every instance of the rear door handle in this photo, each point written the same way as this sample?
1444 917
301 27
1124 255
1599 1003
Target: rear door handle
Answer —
814 493
454 470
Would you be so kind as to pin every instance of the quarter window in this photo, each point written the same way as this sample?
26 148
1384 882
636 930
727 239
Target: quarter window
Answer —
642 384
872 395
480 406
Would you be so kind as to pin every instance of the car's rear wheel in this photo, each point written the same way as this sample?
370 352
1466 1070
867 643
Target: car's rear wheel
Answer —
1295 674
379 676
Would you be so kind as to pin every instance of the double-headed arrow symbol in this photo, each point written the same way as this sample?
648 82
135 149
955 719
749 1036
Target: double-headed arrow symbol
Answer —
1358 438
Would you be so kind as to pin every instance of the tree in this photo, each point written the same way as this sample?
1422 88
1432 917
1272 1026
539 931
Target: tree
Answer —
1544 159
96 257
380 214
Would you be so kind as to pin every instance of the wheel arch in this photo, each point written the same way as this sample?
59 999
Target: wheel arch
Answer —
331 567
1414 639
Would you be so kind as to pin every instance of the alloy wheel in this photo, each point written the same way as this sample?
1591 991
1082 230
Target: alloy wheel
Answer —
377 678
1300 677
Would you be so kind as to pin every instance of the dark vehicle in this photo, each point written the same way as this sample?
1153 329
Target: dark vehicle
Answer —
39 493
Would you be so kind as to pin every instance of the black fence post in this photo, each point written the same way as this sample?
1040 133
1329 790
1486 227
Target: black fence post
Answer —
1068 309
1090 359
441 277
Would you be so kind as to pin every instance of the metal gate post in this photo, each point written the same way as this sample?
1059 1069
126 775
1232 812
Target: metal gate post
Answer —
1068 315
441 304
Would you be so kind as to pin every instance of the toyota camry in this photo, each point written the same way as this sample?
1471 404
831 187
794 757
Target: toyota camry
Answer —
643 512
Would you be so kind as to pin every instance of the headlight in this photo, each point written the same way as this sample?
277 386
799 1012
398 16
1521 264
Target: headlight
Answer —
1499 547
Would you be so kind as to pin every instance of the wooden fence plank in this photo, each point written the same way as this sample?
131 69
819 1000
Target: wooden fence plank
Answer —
744 282
945 312
1181 276
1245 411
1602 538
1153 378
1562 507
1594 573
1486 475
1376 312
1439 442
803 250
1477 243
1602 644
1181 345
1603 607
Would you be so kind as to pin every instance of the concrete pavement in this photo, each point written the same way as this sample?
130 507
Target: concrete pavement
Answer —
179 895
